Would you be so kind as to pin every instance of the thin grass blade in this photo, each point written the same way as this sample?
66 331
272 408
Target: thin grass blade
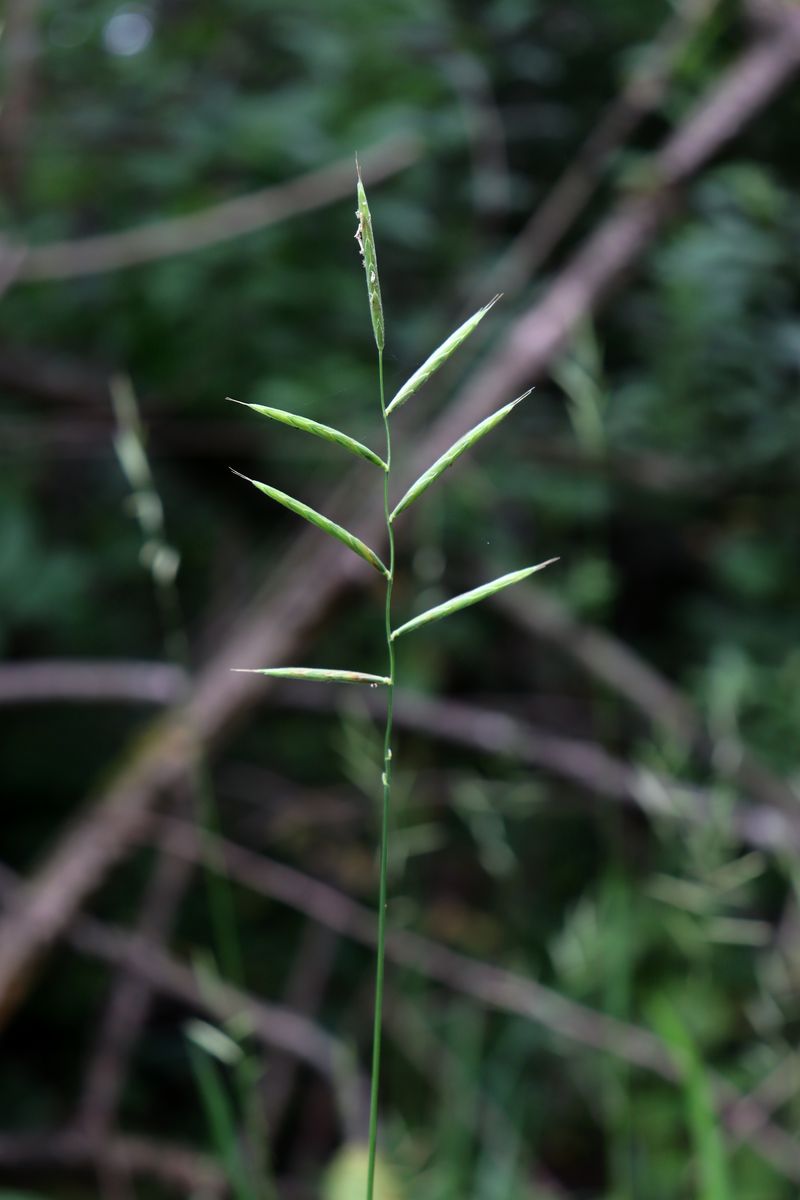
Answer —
323 523
314 427
472 597
317 674
439 357
704 1126
449 457
221 1121
366 244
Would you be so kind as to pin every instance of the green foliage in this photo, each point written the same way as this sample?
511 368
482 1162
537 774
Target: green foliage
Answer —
660 459
709 1153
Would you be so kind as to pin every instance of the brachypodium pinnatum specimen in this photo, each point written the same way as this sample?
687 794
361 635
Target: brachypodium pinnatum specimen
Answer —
366 243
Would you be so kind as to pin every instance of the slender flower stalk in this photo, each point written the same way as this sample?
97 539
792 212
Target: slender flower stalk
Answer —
366 244
386 780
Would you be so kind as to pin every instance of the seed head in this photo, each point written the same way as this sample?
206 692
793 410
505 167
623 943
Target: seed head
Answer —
366 244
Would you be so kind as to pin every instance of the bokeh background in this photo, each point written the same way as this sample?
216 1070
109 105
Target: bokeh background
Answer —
592 989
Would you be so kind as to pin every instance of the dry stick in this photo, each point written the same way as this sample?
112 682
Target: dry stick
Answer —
495 987
128 1004
777 1088
73 437
308 980
69 1149
92 681
220 223
271 1024
280 620
11 259
581 762
488 730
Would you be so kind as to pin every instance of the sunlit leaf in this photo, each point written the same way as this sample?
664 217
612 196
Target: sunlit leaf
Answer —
467 598
214 1042
440 356
314 427
346 1178
449 457
317 674
323 523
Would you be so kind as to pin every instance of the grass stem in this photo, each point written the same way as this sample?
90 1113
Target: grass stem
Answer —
386 808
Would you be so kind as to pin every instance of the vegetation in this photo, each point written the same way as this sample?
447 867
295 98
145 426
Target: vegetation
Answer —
591 974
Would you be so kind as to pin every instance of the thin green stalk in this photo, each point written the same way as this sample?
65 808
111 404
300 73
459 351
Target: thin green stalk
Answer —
387 788
162 561
366 245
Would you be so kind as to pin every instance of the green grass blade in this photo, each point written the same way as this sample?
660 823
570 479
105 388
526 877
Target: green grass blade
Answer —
317 674
704 1127
323 523
366 244
467 598
449 457
221 1121
314 427
440 356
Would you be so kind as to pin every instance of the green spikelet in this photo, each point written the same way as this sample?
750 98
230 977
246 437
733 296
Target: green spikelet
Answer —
366 244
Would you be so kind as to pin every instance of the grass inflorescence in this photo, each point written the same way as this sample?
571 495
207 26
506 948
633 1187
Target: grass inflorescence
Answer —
366 242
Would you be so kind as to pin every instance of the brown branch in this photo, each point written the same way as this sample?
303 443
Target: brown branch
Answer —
220 223
181 1168
46 681
770 824
580 762
274 1026
777 1088
495 987
129 1003
281 618
309 977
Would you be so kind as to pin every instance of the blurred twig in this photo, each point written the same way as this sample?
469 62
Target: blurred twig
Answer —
307 583
128 1003
581 762
770 824
220 223
311 971
178 1167
497 988
48 681
272 1025
779 1086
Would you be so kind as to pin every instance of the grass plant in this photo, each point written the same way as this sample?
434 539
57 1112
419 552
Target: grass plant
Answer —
384 464
212 1052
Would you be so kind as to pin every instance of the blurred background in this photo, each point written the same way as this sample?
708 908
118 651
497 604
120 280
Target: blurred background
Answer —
592 985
